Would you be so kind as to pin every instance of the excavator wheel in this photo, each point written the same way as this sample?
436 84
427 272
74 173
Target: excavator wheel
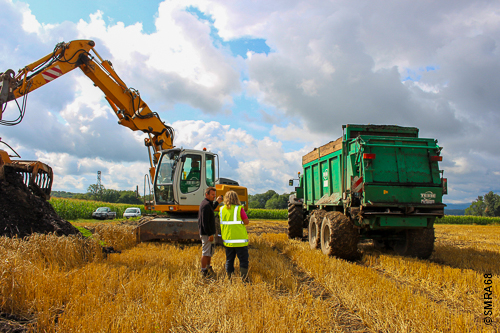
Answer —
339 237
315 229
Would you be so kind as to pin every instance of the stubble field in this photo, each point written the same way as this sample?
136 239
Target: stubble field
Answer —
65 284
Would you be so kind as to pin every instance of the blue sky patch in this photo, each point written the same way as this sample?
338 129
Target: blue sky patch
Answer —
238 47
416 74
127 11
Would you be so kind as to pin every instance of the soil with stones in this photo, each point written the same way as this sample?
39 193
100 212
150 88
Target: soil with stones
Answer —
23 213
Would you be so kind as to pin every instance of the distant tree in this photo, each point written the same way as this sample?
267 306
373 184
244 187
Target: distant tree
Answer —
129 197
278 202
111 196
476 208
492 202
260 199
82 196
254 204
487 205
95 191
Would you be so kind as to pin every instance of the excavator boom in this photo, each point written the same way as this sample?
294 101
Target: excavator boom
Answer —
131 110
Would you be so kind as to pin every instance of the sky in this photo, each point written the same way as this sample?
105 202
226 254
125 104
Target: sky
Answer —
261 83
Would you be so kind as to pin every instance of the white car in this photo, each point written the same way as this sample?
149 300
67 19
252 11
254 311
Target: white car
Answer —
132 212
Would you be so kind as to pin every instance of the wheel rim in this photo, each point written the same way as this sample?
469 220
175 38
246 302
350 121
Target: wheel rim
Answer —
326 237
313 231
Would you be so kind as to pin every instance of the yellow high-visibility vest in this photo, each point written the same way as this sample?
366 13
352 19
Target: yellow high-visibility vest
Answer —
234 233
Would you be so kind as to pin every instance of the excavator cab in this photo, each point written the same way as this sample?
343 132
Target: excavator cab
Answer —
181 177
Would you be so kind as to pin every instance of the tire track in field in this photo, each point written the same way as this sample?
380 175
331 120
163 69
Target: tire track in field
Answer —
418 290
345 319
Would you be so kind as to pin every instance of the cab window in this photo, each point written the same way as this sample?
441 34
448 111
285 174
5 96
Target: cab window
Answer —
210 170
191 174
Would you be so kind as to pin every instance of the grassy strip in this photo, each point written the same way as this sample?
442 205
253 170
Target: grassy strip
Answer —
270 214
467 219
72 209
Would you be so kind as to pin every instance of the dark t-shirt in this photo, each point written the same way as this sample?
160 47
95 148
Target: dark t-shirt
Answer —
206 217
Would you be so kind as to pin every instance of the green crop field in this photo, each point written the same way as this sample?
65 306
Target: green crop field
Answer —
74 209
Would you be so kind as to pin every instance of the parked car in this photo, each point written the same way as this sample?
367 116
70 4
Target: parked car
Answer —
132 212
103 213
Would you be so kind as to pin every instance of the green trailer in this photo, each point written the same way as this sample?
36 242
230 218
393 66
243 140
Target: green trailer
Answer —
378 182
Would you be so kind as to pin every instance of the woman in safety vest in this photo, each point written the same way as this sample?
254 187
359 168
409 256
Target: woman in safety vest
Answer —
234 233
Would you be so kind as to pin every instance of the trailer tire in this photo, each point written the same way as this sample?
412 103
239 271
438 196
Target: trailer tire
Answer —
339 236
315 229
295 221
417 243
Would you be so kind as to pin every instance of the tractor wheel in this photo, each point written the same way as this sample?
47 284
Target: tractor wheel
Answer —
315 229
295 221
339 237
218 239
417 243
380 244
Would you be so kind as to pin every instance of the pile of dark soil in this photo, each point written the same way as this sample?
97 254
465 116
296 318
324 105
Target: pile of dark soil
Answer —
23 213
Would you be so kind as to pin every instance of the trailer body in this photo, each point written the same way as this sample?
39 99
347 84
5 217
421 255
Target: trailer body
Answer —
383 178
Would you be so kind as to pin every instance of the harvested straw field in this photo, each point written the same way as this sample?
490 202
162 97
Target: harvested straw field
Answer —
66 284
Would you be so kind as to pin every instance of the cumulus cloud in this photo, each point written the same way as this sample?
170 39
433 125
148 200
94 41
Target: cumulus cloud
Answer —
348 61
433 66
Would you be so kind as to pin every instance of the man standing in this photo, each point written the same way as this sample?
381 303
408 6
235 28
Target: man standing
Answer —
206 225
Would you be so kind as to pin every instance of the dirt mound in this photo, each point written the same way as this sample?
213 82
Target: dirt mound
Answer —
22 213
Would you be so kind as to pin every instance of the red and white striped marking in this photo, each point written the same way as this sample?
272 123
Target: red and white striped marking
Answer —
357 184
52 73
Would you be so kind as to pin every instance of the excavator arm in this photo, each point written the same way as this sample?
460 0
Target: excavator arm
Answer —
127 104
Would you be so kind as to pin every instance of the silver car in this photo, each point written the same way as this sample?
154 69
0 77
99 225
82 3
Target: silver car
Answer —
132 212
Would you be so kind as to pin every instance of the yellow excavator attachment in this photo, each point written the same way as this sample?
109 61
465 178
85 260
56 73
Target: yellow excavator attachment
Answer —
37 176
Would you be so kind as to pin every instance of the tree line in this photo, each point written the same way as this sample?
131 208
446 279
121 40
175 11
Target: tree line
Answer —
269 200
96 193
487 205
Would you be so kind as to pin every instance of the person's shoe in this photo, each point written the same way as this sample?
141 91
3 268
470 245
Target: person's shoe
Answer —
211 272
204 272
244 274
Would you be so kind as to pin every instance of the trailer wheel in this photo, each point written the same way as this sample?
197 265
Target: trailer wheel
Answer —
315 229
339 237
295 221
417 243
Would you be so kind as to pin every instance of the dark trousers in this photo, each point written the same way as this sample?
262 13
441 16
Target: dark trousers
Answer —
231 253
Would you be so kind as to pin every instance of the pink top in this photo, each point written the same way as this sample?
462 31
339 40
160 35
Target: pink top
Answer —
243 214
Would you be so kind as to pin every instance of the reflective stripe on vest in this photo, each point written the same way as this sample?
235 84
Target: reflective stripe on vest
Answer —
234 233
231 222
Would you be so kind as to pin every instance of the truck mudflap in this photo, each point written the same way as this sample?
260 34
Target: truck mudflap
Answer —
167 228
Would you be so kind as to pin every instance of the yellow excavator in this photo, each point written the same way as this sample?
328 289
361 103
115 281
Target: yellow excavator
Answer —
178 176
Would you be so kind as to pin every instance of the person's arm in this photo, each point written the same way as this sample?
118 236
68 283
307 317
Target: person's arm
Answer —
205 220
244 216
